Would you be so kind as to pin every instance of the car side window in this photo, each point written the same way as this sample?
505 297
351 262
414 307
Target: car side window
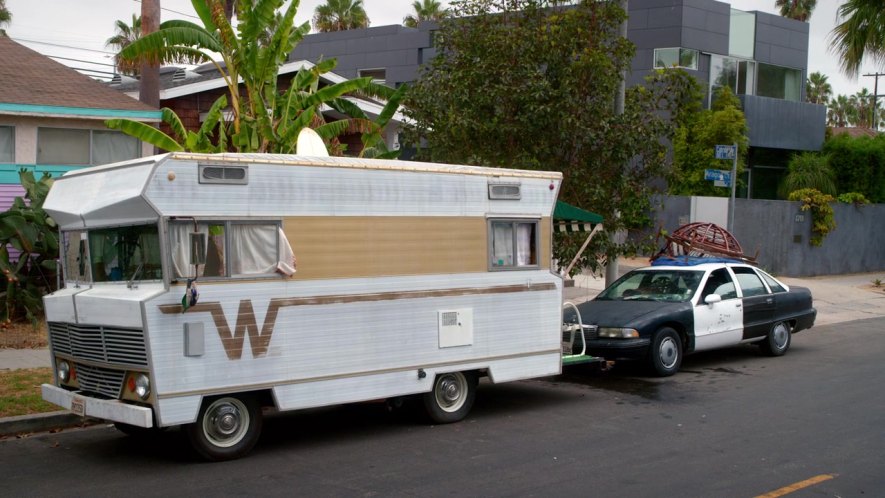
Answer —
719 282
751 284
773 284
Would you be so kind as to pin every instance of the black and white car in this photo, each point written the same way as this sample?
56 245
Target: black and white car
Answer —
677 306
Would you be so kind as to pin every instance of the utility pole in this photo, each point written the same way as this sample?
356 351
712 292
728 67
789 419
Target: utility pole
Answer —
876 99
611 266
149 91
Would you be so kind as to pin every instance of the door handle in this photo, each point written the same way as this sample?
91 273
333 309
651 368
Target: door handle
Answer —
769 301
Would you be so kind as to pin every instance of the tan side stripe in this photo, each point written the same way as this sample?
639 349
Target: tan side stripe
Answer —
279 302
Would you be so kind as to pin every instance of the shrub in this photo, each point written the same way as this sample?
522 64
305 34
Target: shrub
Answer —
822 221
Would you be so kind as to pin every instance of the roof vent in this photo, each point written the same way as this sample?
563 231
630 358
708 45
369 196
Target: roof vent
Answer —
120 79
182 74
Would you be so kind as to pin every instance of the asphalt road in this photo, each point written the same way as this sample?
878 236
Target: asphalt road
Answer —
731 423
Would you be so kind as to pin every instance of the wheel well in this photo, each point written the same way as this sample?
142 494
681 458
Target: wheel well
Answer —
683 335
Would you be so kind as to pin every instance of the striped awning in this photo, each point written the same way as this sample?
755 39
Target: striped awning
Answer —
572 219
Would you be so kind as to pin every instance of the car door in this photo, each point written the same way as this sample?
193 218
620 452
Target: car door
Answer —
720 322
759 303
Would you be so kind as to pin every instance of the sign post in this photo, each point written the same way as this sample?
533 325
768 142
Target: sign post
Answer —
730 152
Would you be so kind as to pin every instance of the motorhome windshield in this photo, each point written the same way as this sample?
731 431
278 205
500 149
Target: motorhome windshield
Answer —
129 253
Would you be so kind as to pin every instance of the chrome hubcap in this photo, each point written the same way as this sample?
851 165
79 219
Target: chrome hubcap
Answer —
450 391
669 352
226 422
781 334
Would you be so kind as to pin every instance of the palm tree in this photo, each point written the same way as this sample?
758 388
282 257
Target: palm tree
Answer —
818 90
340 15
861 33
862 102
840 112
799 10
126 34
5 16
425 10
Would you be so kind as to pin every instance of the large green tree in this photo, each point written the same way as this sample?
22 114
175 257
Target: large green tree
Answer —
796 9
695 143
5 17
265 118
817 89
340 15
526 84
425 10
125 34
860 34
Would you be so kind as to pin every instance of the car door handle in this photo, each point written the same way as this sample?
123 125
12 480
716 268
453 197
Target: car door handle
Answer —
769 301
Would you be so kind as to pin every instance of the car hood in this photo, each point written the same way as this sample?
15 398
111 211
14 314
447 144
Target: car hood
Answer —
621 313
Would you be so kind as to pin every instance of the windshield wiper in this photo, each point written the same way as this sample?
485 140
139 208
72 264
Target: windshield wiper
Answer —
134 276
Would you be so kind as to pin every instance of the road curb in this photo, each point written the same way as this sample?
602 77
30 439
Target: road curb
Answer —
42 422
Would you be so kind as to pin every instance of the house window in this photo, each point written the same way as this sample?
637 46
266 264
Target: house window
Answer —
513 244
779 82
7 144
79 147
742 33
237 249
676 57
378 75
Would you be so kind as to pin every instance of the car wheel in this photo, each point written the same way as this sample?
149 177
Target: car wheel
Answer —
226 428
777 342
665 355
451 398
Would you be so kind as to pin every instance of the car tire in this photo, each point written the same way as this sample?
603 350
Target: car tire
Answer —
451 398
665 354
227 427
777 342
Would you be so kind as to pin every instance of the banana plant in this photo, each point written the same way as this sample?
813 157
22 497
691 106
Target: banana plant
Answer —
28 250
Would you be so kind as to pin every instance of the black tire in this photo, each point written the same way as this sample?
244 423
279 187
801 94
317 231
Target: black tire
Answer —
665 354
777 342
226 428
451 398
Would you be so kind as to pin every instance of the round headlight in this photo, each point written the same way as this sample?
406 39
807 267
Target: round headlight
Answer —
63 370
142 386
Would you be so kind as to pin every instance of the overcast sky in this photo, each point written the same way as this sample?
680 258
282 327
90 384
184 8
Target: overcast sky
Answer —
77 29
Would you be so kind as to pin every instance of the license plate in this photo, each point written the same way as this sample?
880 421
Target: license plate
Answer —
78 406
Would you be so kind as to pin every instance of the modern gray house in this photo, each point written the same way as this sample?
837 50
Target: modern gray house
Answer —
762 57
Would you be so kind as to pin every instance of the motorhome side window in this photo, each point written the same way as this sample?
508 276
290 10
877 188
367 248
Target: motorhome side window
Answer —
124 253
233 249
513 244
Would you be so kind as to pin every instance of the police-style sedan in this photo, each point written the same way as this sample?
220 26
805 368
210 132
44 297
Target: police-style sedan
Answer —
659 313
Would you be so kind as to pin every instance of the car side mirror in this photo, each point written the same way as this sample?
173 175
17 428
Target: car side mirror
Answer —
198 248
713 298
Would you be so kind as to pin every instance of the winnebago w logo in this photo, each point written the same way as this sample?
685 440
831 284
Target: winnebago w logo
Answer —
259 339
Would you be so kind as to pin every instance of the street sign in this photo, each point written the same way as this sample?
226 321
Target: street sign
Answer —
718 175
726 152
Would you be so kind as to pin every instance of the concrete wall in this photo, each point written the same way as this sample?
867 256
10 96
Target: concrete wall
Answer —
780 232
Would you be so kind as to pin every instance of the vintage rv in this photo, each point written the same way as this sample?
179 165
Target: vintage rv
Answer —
200 288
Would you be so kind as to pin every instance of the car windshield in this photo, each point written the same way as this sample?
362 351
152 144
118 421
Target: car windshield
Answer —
654 285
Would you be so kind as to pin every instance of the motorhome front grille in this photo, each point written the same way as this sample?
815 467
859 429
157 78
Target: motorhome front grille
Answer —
96 343
97 380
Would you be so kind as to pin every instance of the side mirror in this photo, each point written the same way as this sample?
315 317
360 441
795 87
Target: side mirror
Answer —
198 248
713 298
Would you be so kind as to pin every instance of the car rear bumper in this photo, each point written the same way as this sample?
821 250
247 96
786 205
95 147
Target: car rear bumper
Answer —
805 321
624 349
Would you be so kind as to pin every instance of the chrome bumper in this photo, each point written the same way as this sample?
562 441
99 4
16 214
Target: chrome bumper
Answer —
112 410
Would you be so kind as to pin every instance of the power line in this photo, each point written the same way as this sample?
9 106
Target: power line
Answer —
64 46
173 11
80 60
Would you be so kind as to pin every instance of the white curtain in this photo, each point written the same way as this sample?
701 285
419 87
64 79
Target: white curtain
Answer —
525 238
254 250
502 244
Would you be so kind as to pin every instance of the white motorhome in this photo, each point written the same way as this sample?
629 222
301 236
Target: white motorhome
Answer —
200 288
